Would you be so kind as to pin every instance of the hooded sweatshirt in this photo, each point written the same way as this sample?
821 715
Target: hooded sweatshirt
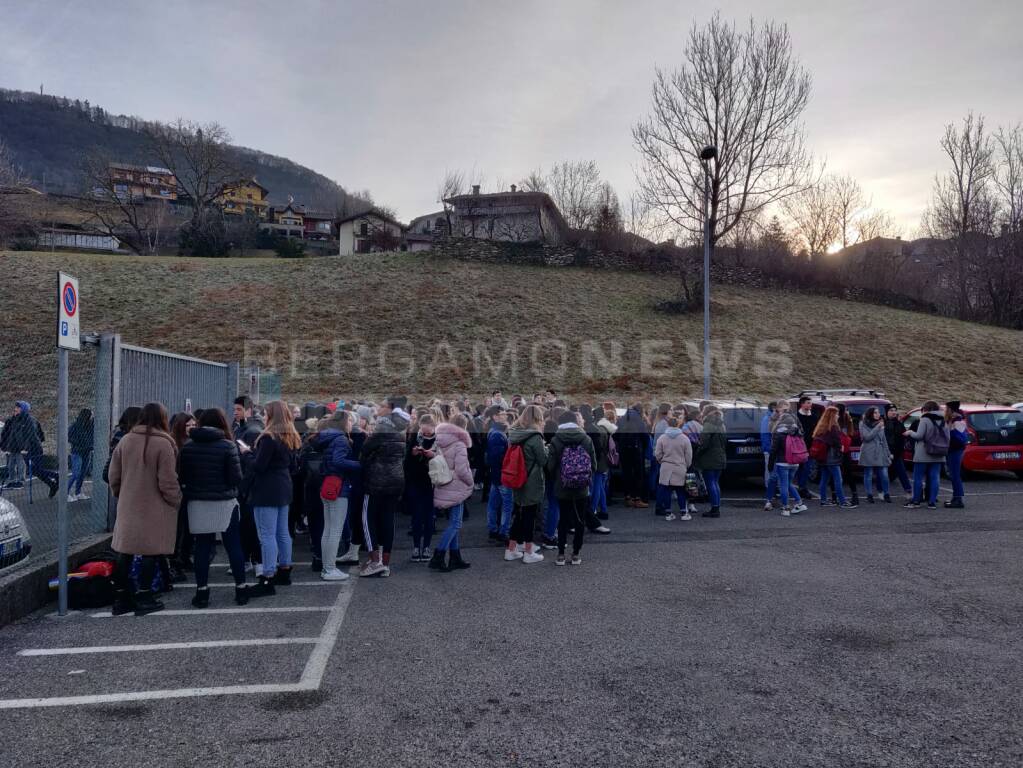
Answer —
569 435
453 443
674 451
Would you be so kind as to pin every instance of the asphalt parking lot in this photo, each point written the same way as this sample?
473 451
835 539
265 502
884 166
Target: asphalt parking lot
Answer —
874 637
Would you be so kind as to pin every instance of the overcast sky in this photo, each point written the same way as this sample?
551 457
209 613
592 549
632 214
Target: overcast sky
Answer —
387 94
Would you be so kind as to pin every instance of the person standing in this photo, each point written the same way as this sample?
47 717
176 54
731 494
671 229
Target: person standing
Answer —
419 487
20 433
274 461
784 471
80 437
875 456
893 430
930 449
526 434
453 443
807 424
633 437
501 500
383 458
833 441
602 436
143 477
336 462
674 453
767 423
711 457
210 471
958 439
845 423
571 463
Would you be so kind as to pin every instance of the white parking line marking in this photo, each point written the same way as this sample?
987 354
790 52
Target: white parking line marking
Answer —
167 646
214 611
225 584
228 565
312 676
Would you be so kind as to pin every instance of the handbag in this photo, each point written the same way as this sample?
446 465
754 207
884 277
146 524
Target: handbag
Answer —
331 487
440 472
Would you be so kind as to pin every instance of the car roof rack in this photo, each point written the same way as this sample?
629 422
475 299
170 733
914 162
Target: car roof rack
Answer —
841 392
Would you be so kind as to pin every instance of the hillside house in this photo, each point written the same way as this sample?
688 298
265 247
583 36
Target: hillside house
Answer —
512 217
423 231
318 225
143 182
288 221
248 196
368 232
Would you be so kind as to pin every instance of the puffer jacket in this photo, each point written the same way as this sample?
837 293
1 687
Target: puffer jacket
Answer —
929 422
569 435
453 443
383 457
602 443
209 466
268 475
874 450
337 453
535 453
712 452
497 446
674 452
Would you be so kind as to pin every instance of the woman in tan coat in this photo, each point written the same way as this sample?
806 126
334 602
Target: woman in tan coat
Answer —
144 478
674 453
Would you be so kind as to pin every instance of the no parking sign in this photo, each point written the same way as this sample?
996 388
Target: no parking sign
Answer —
68 315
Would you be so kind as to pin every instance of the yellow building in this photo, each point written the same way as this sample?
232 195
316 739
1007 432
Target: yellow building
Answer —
245 197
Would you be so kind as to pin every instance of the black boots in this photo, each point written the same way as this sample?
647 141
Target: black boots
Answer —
145 603
455 561
241 595
437 561
283 576
202 597
262 588
955 504
123 603
712 512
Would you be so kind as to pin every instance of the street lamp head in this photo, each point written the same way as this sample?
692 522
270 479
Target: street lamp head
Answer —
709 152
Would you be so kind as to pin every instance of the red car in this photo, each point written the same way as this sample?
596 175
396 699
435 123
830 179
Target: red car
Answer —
995 437
856 401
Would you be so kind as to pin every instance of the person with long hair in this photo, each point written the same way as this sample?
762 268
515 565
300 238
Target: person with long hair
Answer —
526 433
571 462
383 462
418 486
270 492
210 471
453 443
786 425
144 478
832 436
711 457
930 429
335 447
603 429
893 429
80 437
875 456
181 424
633 439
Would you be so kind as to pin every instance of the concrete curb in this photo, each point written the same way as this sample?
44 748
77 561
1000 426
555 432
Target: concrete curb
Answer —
27 589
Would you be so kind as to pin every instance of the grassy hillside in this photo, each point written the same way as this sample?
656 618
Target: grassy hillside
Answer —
439 324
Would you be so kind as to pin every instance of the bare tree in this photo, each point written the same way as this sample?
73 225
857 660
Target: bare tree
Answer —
744 92
744 237
575 188
607 216
814 213
451 185
534 182
850 205
876 223
11 178
1009 175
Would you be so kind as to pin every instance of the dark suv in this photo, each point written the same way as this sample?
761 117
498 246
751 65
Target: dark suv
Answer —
856 401
742 427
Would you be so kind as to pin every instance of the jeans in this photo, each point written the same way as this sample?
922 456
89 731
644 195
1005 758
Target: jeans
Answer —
882 479
274 539
204 544
420 501
501 500
598 492
768 474
784 476
832 472
955 473
899 467
652 484
334 515
449 539
771 486
805 470
550 529
664 498
15 468
79 469
711 478
574 517
932 469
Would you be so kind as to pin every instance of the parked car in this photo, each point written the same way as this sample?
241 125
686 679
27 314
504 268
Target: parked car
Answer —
856 401
1018 406
15 542
742 427
995 434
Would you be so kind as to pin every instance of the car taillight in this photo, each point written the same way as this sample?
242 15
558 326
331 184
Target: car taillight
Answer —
971 434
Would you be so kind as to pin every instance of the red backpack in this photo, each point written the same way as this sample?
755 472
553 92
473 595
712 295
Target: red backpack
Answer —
513 467
795 450
819 450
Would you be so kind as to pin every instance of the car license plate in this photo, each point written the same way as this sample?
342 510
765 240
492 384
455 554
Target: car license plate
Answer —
855 455
8 547
1007 456
747 450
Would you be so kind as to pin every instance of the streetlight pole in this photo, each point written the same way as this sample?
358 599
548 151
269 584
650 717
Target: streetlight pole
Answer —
709 153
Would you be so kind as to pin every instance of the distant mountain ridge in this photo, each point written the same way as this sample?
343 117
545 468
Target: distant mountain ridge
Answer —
49 136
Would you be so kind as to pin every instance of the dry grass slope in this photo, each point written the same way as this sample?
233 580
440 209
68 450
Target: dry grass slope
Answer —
446 319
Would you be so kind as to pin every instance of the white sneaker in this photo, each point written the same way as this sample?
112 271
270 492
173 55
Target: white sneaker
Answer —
334 574
374 568
516 555
520 548
71 498
686 516
532 557
799 508
768 506
670 516
351 557
82 497
785 512
690 509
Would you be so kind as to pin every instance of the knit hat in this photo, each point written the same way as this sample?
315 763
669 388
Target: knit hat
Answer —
25 407
364 412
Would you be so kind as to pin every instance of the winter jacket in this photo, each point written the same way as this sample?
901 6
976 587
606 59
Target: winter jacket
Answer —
674 451
268 475
633 433
786 426
712 452
80 436
929 422
417 466
601 437
22 433
453 443
337 458
808 423
383 457
497 446
535 454
209 467
247 430
569 435
874 451
765 432
893 429
148 493
958 438
833 440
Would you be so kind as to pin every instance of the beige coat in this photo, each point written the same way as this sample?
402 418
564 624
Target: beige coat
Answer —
148 495
674 451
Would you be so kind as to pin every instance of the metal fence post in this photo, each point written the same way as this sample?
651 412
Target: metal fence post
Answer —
103 420
232 388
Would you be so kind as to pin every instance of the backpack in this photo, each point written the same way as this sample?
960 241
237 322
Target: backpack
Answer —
818 450
440 472
575 470
936 440
795 450
513 467
613 460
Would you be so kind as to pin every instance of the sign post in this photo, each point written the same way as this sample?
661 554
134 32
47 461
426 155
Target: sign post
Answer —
68 337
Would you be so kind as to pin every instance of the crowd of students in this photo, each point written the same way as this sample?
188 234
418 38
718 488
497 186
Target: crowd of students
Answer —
340 474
